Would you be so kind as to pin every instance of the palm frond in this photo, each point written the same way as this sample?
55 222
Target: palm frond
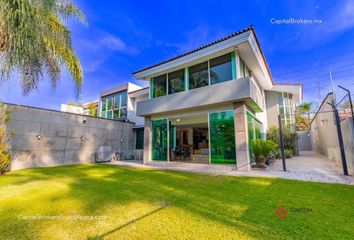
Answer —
33 38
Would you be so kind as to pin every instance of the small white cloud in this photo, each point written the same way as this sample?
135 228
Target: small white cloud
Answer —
112 42
196 38
95 51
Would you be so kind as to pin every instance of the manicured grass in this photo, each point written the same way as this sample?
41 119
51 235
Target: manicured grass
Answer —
154 204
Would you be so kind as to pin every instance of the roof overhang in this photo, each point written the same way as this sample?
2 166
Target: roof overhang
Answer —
246 44
138 93
294 89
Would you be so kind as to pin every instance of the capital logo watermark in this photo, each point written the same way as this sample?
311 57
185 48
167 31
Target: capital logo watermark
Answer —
282 21
281 212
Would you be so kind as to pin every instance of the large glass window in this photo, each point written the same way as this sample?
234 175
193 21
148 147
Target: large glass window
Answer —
176 81
160 85
285 111
222 137
254 127
139 138
198 75
244 71
159 140
114 106
220 69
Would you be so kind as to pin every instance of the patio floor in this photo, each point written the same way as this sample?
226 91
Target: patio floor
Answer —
309 166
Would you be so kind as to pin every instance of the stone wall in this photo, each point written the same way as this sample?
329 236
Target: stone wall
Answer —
43 137
348 139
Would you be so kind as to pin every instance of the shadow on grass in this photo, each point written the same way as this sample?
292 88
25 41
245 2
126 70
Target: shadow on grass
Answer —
126 224
246 204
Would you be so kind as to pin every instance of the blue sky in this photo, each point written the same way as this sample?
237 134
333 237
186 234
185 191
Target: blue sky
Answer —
124 36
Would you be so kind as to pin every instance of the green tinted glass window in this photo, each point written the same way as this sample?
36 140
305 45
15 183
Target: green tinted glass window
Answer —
117 101
109 114
242 68
139 139
123 112
159 140
176 81
220 69
254 127
160 85
109 103
104 104
116 114
123 102
198 75
222 137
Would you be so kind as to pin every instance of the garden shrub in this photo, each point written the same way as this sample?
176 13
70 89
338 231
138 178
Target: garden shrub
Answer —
290 141
5 157
261 150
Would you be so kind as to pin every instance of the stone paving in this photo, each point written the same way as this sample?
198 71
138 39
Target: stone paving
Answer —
309 166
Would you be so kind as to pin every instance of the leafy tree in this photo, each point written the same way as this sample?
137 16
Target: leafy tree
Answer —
92 110
34 41
302 123
5 156
305 108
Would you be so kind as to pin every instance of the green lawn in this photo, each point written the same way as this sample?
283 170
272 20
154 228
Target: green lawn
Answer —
153 204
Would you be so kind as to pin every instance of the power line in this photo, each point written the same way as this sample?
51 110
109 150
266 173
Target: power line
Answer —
333 59
323 75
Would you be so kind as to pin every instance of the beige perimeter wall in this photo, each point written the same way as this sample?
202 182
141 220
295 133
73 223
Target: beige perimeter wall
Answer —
61 135
324 135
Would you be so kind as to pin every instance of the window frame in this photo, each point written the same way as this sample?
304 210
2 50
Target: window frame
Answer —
110 113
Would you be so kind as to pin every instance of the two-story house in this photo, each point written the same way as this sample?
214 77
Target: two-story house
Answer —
206 105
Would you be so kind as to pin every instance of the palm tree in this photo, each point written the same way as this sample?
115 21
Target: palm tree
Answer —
34 41
305 108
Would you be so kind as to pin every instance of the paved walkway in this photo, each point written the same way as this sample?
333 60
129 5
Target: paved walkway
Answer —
309 166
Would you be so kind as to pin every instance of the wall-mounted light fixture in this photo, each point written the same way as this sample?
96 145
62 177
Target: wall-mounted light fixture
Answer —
82 138
39 137
84 120
121 140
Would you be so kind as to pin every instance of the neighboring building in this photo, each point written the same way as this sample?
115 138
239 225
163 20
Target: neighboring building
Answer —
119 103
205 106
90 108
71 108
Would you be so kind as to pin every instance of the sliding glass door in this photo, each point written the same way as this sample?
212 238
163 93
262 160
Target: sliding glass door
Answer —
159 140
222 137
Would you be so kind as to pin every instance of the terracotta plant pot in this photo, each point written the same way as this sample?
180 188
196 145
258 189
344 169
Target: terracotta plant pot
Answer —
261 161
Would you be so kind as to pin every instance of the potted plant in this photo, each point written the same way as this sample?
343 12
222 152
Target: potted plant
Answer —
261 150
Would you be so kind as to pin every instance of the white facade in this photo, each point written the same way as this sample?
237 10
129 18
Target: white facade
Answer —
71 109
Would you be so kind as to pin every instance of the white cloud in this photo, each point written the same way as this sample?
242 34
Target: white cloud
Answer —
196 38
112 43
95 51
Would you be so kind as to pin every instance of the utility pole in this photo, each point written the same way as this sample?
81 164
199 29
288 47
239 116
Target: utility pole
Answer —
331 79
281 143
319 91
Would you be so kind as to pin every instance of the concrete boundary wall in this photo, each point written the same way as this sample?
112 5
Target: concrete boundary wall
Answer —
324 135
65 138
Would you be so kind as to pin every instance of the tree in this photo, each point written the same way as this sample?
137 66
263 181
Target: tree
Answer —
34 41
302 123
92 109
305 108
